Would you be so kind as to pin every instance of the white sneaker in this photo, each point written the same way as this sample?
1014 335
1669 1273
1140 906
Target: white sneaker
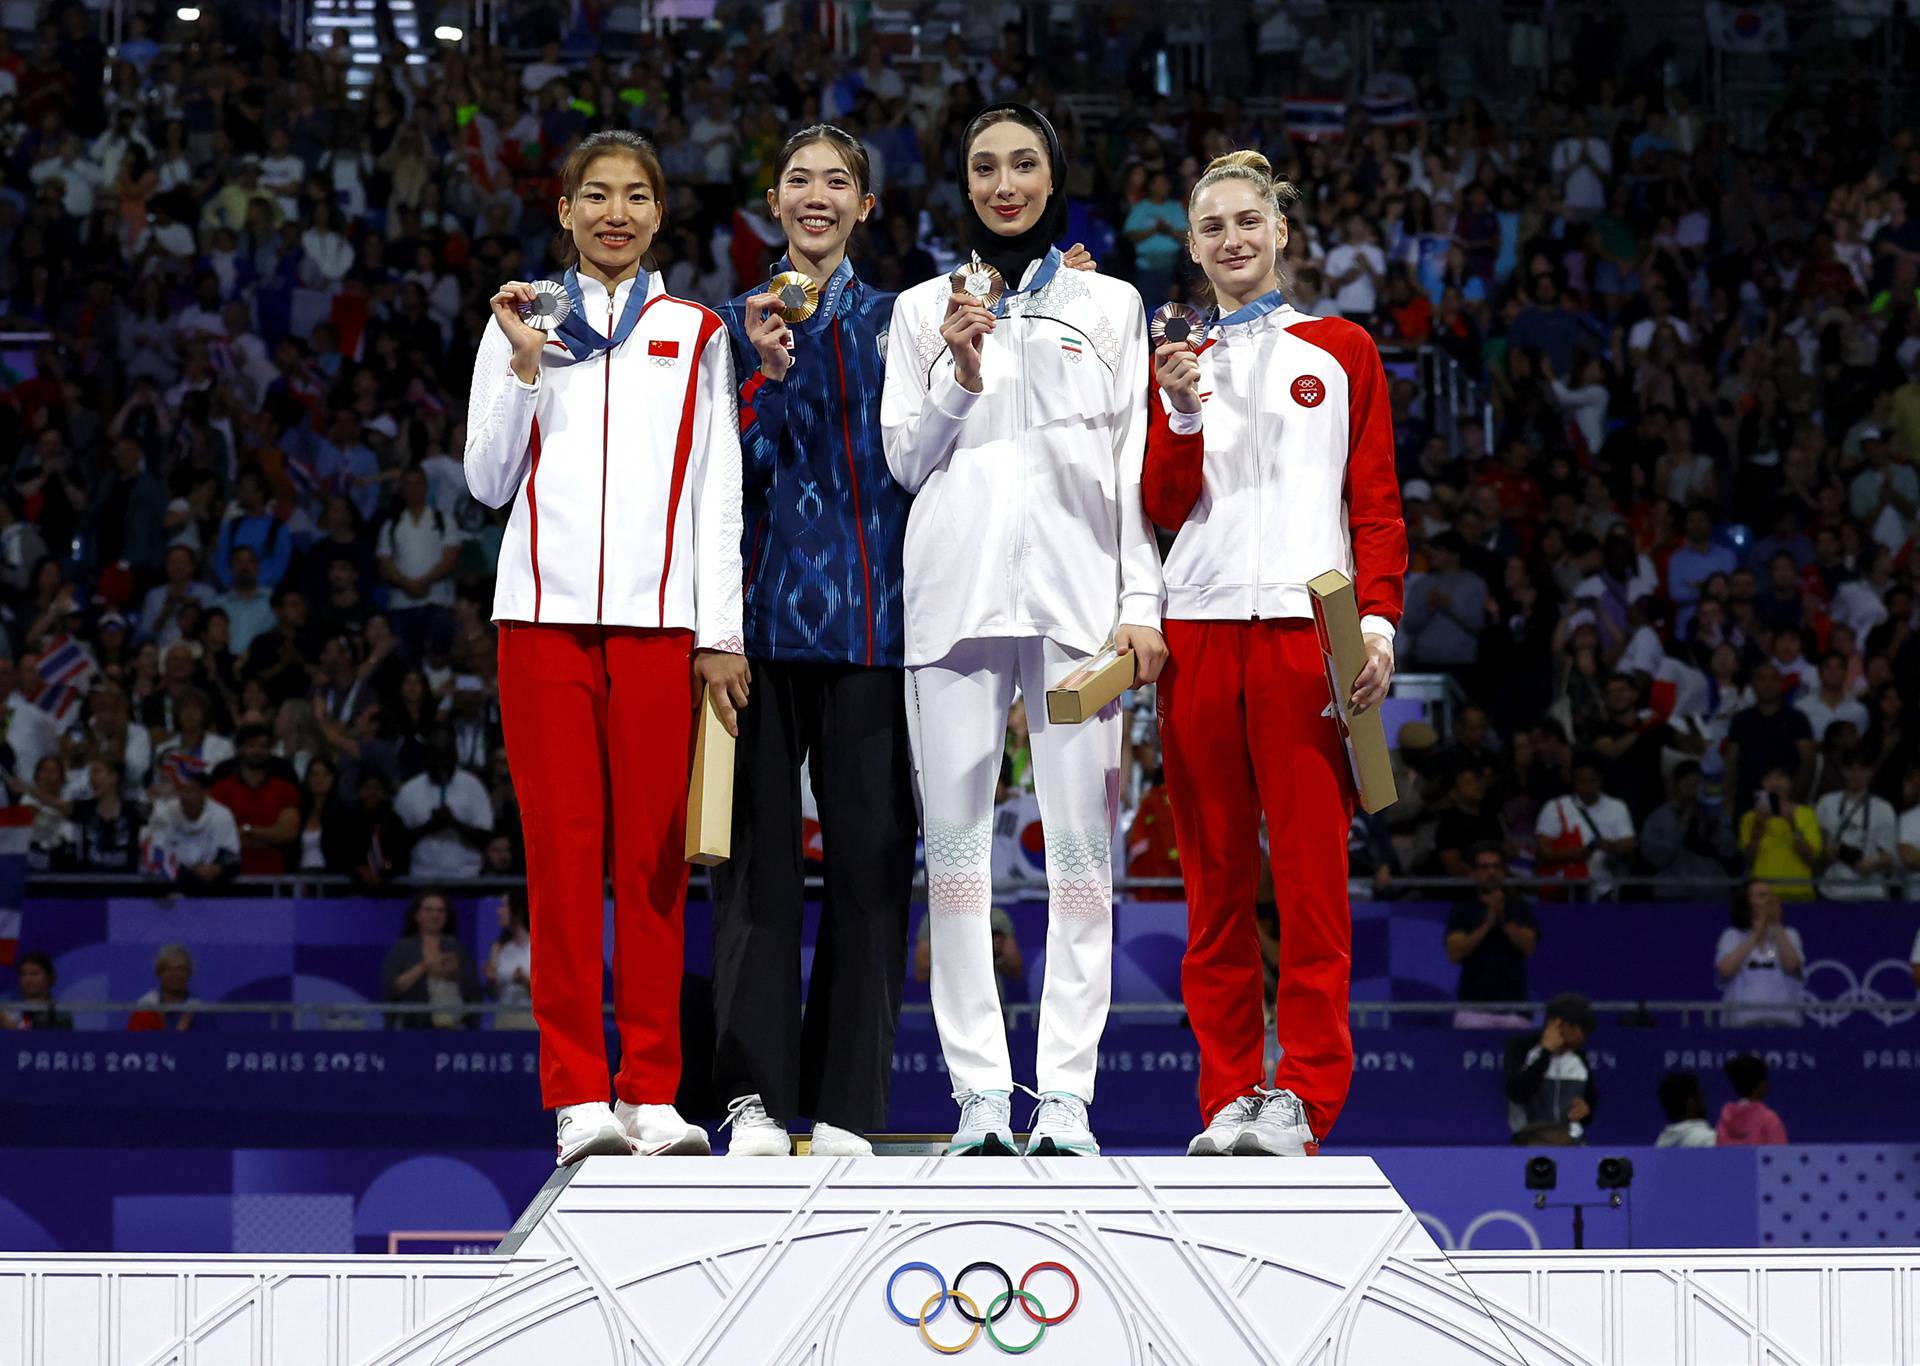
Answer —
755 1132
986 1125
830 1140
1279 1130
1059 1128
588 1130
1224 1129
659 1131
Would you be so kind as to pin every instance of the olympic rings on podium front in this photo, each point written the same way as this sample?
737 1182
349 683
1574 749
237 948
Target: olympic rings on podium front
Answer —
968 1309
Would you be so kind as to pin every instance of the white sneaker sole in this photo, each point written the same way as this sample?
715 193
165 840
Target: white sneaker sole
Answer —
1050 1147
1247 1145
608 1141
1204 1146
758 1146
839 1150
693 1143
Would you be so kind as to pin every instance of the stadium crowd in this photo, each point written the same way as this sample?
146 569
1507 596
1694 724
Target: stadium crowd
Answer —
244 594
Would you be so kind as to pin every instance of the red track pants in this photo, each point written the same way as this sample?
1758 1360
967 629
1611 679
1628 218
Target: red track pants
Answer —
1243 729
599 723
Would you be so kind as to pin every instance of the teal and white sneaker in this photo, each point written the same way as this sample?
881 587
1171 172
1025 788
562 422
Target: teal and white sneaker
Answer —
1059 1128
986 1125
1224 1130
1279 1130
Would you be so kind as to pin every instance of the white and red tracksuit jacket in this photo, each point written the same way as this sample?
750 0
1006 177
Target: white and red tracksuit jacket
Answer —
1285 472
623 470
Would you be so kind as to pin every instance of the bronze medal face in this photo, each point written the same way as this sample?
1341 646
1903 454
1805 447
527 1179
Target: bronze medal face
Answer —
1175 322
980 280
799 296
549 308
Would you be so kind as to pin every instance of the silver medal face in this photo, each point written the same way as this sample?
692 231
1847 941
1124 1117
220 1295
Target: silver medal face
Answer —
549 308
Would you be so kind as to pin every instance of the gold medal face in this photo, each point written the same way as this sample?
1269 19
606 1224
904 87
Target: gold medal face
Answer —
799 296
1175 322
980 280
549 308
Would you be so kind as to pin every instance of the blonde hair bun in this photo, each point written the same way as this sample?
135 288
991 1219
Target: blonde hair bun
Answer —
1246 157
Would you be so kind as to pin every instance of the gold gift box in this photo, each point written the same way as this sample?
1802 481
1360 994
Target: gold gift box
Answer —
710 794
1090 687
1336 615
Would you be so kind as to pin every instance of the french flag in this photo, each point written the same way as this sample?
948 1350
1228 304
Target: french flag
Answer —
1316 120
66 669
16 828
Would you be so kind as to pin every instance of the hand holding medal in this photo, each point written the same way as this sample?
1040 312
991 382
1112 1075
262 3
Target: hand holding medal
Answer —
527 314
977 290
1176 330
789 297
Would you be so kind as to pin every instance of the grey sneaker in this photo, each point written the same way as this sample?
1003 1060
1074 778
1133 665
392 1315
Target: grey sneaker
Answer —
1225 1127
1059 1128
1279 1130
986 1125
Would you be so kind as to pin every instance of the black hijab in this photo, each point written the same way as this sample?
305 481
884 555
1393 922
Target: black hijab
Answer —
1012 255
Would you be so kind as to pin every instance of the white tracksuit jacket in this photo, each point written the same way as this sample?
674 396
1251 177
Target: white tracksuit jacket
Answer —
1285 472
1027 519
623 470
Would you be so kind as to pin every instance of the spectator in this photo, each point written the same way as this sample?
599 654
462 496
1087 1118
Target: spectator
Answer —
1550 1090
326 839
1694 563
1909 840
1157 228
418 550
1768 735
1465 820
1009 970
1780 838
1831 701
1685 1106
261 793
1446 608
160 609
279 659
251 524
1759 962
193 748
106 826
510 964
191 840
35 1008
1585 833
1687 846
246 607
429 965
167 1006
373 840
1859 835
1491 933
449 813
1748 1122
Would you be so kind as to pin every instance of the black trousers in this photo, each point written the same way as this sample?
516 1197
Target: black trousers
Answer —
850 724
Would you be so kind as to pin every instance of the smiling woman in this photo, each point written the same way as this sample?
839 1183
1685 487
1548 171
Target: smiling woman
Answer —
1017 418
618 593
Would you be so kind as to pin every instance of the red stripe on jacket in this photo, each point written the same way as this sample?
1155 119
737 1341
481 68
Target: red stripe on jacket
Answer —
1372 488
683 442
533 519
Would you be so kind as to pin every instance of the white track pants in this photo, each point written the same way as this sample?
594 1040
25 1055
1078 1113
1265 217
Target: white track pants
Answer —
957 719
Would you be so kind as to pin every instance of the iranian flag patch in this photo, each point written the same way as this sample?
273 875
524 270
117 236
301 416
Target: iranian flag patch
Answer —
1070 347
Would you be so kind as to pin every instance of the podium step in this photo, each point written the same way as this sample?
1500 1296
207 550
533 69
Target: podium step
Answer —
1159 1260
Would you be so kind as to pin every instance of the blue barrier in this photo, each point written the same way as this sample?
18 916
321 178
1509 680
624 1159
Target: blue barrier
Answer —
312 1200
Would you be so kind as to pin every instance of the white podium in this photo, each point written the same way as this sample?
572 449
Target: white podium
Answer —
1129 1262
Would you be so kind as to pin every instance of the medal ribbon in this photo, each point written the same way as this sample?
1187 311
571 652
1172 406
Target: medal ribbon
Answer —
579 334
1259 308
1049 267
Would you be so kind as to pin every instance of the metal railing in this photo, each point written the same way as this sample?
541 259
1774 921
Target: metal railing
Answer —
324 1016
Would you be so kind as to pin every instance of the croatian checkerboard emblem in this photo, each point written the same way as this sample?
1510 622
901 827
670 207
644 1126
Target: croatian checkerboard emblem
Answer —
1308 391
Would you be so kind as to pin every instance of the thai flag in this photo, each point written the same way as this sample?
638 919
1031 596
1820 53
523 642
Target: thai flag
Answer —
157 860
1392 109
16 829
1316 120
300 473
66 669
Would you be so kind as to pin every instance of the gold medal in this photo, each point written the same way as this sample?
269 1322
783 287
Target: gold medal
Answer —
1175 322
981 281
799 296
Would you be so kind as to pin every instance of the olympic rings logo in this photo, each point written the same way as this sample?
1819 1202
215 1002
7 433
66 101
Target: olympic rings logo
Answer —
969 1309
1859 992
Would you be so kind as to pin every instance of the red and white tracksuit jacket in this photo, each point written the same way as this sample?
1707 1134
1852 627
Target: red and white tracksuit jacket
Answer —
1286 472
621 557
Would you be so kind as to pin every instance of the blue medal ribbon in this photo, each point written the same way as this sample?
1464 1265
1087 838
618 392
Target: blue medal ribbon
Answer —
1267 303
1049 267
580 336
